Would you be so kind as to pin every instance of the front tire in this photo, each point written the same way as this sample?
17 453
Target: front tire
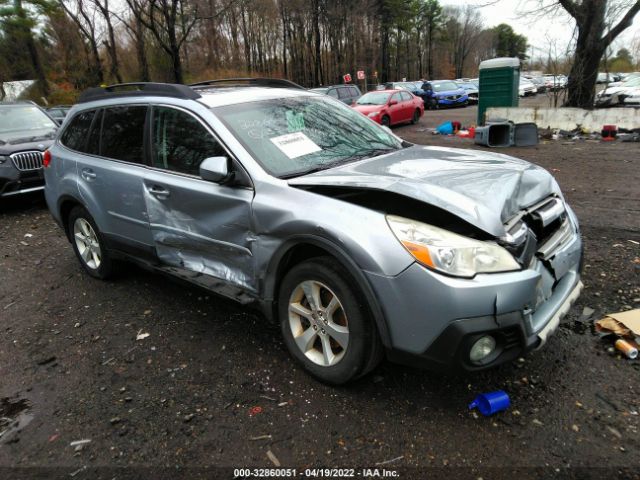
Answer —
88 244
325 323
385 121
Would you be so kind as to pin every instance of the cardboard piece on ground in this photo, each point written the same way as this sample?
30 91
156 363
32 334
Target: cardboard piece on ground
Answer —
623 324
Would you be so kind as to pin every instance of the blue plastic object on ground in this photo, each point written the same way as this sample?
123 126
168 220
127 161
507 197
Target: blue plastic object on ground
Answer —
490 403
445 128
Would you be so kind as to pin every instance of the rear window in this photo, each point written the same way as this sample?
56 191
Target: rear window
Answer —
123 133
344 92
76 133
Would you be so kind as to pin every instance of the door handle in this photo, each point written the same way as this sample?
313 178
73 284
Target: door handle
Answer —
88 174
159 191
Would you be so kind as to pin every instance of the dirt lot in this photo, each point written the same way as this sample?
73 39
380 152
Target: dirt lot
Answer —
183 399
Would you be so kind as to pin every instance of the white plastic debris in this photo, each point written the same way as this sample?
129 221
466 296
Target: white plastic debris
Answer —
142 335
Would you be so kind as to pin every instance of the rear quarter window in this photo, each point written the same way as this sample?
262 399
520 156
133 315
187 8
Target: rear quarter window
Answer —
76 133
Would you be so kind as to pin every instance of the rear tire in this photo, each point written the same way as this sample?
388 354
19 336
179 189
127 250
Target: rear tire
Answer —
336 341
88 244
416 117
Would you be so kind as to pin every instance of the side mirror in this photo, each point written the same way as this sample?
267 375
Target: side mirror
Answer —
393 102
214 169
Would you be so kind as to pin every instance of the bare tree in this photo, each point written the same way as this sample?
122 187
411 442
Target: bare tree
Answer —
86 22
598 24
464 27
103 7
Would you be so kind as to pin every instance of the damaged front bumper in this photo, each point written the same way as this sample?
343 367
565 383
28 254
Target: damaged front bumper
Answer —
433 320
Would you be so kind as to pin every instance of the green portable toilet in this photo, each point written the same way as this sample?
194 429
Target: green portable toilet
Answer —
499 84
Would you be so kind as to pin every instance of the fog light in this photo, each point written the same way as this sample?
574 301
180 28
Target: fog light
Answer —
482 348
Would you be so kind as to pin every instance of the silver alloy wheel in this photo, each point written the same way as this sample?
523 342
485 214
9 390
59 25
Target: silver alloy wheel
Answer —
87 243
318 323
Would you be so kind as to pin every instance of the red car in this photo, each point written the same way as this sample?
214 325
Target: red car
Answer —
390 107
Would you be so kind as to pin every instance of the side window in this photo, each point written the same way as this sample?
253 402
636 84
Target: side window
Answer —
354 91
180 142
396 97
333 93
93 142
343 93
123 133
76 133
405 96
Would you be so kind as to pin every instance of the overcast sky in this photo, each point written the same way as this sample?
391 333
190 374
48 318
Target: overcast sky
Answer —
538 30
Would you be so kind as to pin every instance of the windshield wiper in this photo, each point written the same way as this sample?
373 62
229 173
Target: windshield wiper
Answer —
318 168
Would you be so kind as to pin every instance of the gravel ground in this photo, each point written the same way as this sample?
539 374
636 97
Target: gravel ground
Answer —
212 385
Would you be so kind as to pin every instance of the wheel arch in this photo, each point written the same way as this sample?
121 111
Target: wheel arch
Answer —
303 248
66 203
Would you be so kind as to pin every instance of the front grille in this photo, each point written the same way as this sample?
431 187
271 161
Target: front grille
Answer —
26 161
540 230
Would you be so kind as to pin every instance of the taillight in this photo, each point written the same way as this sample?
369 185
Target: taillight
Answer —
46 158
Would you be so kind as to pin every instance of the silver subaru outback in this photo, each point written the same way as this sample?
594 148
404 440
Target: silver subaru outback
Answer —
358 243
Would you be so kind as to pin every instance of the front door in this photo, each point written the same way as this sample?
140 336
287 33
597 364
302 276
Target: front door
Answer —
201 230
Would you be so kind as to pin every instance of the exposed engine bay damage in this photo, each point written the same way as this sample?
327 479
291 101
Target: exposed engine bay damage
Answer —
396 204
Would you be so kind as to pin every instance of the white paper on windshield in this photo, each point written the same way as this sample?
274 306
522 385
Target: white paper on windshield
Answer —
295 145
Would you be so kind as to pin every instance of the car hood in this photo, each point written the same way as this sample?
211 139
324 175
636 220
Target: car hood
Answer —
485 189
613 90
9 148
444 93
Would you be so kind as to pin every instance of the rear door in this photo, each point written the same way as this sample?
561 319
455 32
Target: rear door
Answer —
110 176
407 105
201 230
395 111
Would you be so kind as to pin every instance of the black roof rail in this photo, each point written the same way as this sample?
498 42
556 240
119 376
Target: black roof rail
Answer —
248 82
138 89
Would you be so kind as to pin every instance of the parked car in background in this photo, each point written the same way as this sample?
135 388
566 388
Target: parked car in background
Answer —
539 83
26 131
444 93
632 99
400 85
471 89
604 77
624 79
58 112
616 95
526 88
391 107
357 243
554 82
345 93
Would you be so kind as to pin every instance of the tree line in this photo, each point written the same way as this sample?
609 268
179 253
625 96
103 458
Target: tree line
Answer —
74 44
69 45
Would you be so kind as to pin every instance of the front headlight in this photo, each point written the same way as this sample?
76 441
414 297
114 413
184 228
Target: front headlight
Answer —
373 114
3 159
449 252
